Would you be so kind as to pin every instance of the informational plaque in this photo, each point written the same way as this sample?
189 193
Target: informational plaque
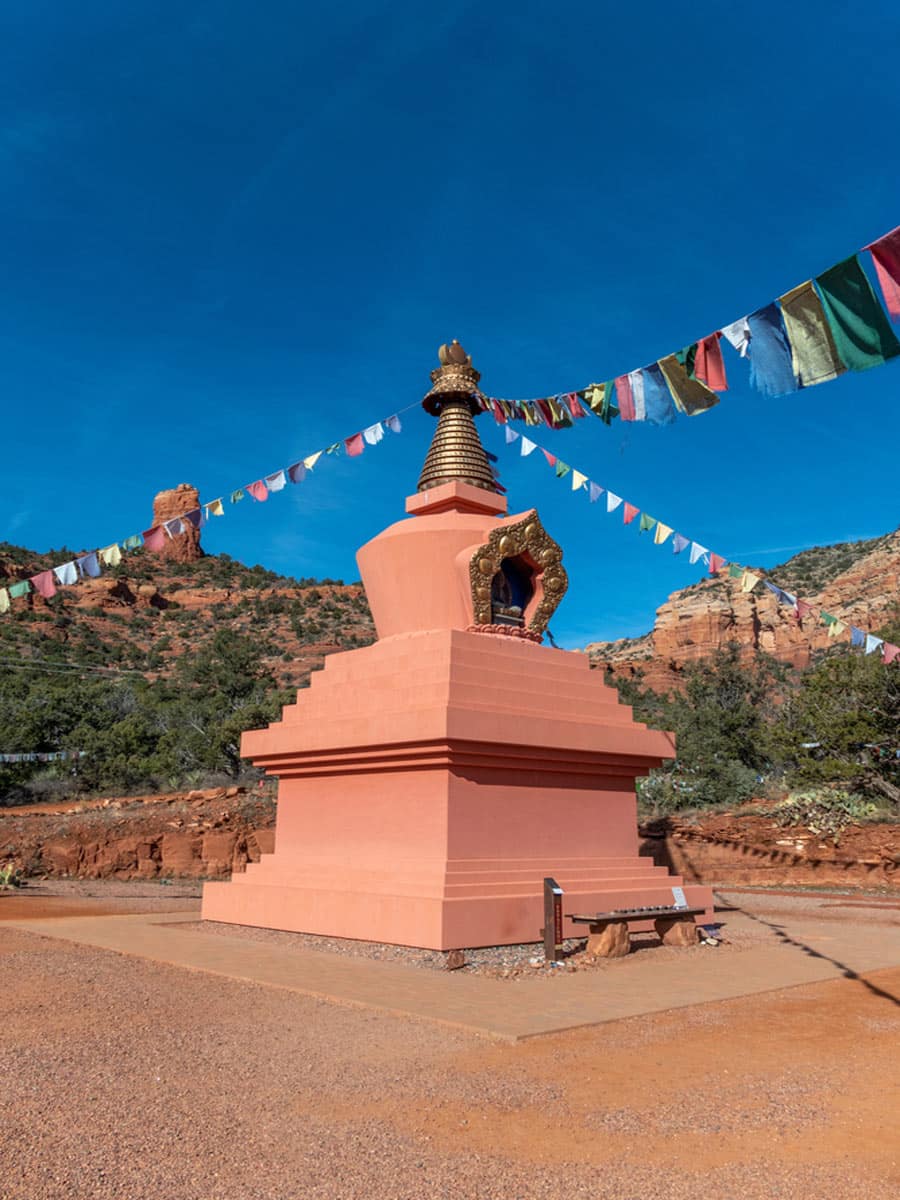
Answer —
678 897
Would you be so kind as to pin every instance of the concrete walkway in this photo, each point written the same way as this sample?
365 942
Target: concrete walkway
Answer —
797 948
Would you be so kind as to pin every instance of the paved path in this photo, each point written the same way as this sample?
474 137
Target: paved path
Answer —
796 949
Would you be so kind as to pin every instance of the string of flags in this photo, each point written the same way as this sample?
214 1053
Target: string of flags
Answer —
810 335
42 756
90 565
696 552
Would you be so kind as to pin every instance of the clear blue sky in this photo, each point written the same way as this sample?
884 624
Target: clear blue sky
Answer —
236 232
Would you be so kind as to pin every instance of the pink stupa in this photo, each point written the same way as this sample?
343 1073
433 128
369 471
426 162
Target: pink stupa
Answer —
430 782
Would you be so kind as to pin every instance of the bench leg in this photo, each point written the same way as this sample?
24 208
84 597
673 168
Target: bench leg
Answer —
608 939
676 931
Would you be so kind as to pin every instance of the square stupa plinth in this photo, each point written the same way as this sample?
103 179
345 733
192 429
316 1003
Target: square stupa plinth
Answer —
430 782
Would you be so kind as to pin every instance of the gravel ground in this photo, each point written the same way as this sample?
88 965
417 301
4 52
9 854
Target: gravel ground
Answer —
131 1080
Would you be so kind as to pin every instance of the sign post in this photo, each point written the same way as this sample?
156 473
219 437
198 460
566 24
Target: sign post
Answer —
553 931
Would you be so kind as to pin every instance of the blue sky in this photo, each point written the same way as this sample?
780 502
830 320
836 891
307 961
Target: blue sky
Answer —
234 233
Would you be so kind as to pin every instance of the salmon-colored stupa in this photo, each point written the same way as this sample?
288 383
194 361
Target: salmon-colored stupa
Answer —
429 783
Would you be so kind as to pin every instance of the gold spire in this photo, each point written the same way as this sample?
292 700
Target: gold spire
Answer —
456 452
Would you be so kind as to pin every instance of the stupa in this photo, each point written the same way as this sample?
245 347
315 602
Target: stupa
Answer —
430 782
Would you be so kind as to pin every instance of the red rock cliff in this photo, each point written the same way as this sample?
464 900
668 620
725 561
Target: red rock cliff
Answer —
175 502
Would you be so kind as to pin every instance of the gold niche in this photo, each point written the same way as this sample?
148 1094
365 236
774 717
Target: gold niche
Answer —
526 538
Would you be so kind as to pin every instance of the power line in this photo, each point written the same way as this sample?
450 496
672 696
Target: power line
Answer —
66 668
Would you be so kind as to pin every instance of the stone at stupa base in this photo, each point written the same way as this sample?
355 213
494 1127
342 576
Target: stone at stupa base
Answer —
442 776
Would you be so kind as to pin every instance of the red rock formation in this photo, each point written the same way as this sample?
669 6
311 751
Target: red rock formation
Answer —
175 502
698 620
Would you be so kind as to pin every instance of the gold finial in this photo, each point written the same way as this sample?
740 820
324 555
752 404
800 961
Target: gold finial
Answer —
456 453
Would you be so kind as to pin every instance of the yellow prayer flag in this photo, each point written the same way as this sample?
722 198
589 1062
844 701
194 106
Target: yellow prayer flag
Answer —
814 356
836 629
215 507
310 462
662 532
690 395
4 600
749 581
111 555
578 480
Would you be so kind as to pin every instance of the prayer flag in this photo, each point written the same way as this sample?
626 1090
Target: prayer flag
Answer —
735 572
836 629
575 406
543 410
510 435
787 598
276 482
562 469
599 397
111 556
132 542
679 543
771 366
803 608
393 424
334 448
888 654
196 518
827 618
527 446
646 523
4 600
173 527
698 551
499 412
311 461
857 636
739 335
657 398
716 563
45 584
612 502
529 413
774 588
596 491
873 643
155 538
578 480
561 418
629 512
22 588
709 366
237 496
861 331
88 565
814 356
636 379
374 433
67 573
355 445
749 581
551 458
216 508
886 257
258 490
662 532
624 398
296 472
690 395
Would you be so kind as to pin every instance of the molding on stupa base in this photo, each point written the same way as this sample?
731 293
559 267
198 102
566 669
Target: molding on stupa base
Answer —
513 631
457 497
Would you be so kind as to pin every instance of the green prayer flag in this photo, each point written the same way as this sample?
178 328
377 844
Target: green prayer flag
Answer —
735 572
687 357
861 331
22 588
238 495
646 523
335 449
562 469
132 543
828 618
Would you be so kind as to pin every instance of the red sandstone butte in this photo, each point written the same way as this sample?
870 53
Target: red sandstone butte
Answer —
175 502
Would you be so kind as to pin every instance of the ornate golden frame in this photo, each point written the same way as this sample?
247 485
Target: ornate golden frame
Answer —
527 536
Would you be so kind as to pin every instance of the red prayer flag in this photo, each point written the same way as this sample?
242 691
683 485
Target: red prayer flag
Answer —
575 406
886 256
629 512
803 608
258 490
551 458
889 652
709 366
499 414
45 584
155 538
716 563
354 445
545 412
624 398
